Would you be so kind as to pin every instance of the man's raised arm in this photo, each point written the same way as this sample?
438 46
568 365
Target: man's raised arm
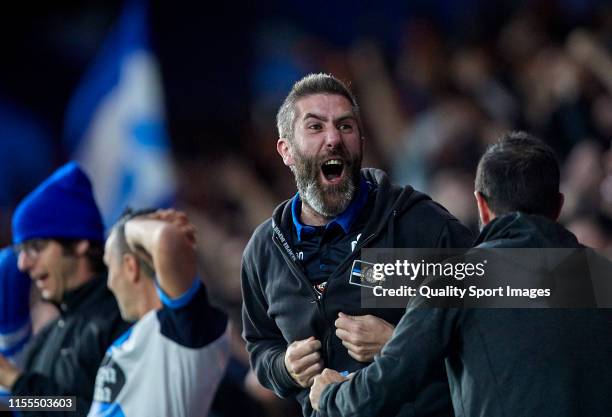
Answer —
166 240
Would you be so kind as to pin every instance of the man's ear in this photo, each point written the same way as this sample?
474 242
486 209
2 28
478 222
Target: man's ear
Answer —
557 213
81 247
131 267
485 213
284 150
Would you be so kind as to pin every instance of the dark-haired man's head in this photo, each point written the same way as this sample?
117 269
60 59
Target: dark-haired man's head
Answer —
320 139
518 173
58 233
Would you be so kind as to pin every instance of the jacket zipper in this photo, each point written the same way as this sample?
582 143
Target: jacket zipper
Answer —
350 258
316 299
296 271
319 300
327 338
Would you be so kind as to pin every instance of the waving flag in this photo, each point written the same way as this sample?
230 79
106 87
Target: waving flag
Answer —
115 123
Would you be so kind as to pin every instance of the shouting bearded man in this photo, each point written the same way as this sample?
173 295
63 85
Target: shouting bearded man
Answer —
302 312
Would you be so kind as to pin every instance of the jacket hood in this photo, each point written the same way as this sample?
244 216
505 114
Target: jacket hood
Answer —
520 230
536 243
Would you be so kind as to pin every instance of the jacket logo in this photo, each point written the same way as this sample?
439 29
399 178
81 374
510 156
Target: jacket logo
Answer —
283 241
109 381
362 274
354 242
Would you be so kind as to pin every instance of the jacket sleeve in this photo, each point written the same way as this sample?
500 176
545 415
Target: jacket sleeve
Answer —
395 376
75 369
264 341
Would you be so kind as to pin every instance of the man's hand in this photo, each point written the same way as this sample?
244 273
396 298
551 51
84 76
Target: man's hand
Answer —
8 373
303 361
165 239
363 336
328 376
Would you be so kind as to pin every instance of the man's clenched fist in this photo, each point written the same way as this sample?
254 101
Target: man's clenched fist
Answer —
303 360
363 336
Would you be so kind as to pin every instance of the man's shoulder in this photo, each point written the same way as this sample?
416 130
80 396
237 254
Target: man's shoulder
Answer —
408 202
421 207
264 229
425 222
429 209
100 302
100 313
261 239
262 236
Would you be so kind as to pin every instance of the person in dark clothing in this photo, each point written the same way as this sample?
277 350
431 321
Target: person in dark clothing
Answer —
58 234
301 290
500 362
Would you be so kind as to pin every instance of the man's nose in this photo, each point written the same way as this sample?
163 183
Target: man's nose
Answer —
333 138
23 262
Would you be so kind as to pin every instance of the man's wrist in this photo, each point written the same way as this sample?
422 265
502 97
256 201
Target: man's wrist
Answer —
8 377
323 397
286 375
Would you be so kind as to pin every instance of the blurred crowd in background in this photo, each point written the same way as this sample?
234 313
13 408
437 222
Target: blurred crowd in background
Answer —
436 82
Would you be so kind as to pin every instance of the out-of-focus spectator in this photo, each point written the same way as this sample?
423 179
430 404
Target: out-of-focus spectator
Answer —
594 230
153 274
58 232
15 322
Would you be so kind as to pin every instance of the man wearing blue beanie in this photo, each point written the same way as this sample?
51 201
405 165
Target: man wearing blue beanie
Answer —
58 234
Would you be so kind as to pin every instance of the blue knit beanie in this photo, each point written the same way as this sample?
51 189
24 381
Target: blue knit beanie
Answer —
14 294
63 206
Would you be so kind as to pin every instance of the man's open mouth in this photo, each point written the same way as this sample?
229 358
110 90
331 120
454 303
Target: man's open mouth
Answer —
332 169
40 280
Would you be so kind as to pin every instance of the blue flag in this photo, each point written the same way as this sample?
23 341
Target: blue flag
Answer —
115 123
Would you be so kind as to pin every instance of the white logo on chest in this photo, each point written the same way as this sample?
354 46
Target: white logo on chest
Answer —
354 242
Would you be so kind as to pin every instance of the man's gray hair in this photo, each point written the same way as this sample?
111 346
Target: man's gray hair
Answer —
309 85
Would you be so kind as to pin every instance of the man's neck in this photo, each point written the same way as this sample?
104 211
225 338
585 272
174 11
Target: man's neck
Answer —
310 217
149 300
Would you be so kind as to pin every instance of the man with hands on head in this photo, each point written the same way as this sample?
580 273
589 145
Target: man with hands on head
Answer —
172 359
302 305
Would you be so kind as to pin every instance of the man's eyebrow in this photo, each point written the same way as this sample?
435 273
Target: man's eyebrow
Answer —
315 116
347 116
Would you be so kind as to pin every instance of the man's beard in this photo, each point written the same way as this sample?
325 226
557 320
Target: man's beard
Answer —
327 200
